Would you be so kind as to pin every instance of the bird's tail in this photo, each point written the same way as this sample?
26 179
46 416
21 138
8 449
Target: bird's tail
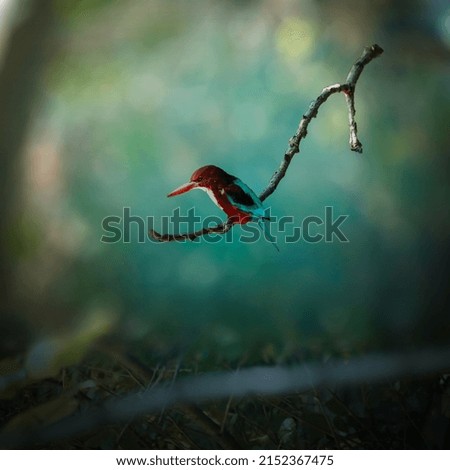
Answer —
265 230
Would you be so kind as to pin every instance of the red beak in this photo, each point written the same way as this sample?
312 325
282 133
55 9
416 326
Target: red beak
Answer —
182 189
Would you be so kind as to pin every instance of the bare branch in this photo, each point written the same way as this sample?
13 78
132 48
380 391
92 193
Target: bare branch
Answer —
302 131
168 237
355 144
266 381
348 88
352 77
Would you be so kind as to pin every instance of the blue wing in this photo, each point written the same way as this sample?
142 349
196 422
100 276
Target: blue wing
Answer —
242 197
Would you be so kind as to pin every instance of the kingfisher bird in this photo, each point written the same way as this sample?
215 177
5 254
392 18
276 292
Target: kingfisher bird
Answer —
228 192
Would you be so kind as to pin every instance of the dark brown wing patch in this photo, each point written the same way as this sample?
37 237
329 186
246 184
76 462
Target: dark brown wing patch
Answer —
237 195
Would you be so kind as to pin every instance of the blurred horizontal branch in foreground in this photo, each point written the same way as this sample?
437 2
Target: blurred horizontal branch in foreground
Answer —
267 381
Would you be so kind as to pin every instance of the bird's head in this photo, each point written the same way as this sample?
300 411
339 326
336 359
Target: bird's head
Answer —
205 177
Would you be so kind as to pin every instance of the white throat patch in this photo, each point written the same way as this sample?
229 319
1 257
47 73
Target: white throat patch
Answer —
211 195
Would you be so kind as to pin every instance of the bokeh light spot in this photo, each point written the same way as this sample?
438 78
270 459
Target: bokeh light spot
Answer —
295 38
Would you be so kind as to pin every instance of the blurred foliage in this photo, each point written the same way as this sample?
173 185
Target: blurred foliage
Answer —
136 95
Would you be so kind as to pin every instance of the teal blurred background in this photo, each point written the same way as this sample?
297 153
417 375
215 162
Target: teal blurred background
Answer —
135 95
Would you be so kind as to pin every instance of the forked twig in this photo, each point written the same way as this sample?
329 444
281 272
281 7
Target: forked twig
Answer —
348 88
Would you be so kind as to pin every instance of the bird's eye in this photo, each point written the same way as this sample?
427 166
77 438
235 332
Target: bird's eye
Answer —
200 178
